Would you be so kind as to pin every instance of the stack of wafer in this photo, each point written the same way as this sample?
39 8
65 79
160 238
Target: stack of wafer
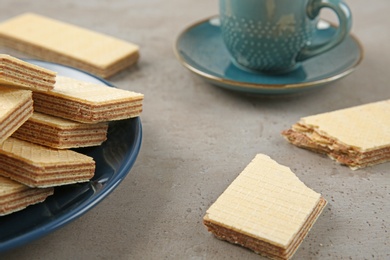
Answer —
15 72
88 102
35 153
17 80
68 44
16 106
61 133
266 209
15 196
357 136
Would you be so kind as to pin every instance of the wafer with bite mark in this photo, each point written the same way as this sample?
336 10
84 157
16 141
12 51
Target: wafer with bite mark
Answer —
266 209
61 133
15 196
88 102
22 74
39 166
16 106
357 136
57 41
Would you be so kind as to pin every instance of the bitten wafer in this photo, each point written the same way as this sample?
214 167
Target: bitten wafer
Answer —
15 196
68 44
16 106
88 102
39 166
19 73
357 136
61 133
266 209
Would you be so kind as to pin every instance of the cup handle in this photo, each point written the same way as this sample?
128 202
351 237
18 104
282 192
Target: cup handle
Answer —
345 21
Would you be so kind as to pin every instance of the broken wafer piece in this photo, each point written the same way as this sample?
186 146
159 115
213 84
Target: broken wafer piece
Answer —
39 166
15 196
16 106
61 133
68 44
88 102
19 73
266 209
357 136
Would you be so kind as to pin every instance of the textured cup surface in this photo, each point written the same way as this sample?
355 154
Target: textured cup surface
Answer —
265 35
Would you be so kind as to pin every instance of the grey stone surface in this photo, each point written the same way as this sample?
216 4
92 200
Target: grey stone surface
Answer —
198 138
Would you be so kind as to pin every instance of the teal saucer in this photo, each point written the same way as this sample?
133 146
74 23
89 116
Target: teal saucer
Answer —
201 50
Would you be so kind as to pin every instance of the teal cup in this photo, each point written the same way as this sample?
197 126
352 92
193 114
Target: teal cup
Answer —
274 36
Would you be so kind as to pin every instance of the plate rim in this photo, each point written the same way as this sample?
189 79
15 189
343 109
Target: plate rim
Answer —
85 206
242 86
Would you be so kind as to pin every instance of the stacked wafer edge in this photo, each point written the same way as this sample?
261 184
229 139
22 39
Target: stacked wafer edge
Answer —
61 133
64 43
87 102
357 136
266 209
15 196
16 106
23 74
42 116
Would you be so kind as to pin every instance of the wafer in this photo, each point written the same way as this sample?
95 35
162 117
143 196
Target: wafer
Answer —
88 102
39 166
15 196
68 44
16 72
61 133
356 136
16 106
266 209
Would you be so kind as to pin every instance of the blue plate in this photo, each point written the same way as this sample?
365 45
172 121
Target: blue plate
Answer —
114 159
201 50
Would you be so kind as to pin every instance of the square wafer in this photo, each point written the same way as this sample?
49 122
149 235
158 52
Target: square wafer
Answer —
15 196
266 209
356 136
61 133
68 44
39 166
19 73
88 102
16 106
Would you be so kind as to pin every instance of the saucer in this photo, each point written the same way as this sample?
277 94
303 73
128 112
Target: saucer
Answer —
201 50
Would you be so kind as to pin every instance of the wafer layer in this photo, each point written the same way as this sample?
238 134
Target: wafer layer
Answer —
266 209
16 106
15 72
61 133
68 44
38 166
88 102
357 136
15 196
